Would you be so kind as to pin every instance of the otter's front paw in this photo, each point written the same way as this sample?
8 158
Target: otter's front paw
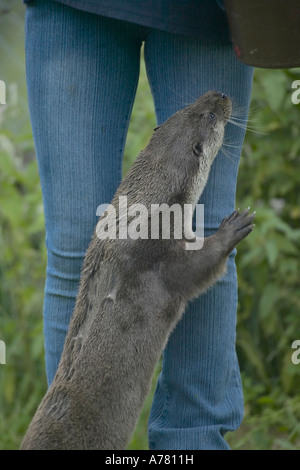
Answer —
235 227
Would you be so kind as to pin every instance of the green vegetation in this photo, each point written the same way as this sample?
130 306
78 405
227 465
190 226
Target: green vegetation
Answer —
268 265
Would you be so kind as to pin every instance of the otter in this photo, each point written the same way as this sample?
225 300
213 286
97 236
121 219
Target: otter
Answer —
133 292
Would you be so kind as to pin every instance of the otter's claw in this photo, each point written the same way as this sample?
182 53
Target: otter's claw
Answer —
236 227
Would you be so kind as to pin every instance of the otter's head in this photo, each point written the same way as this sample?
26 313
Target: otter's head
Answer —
187 143
195 134
207 118
176 162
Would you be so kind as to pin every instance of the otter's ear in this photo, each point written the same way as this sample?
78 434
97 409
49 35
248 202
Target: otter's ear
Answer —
197 149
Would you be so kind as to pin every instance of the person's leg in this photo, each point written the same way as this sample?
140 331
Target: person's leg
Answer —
82 73
199 394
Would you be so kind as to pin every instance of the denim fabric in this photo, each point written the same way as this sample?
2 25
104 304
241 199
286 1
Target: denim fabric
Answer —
201 18
82 75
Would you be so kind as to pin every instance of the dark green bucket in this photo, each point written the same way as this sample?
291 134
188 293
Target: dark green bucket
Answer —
265 33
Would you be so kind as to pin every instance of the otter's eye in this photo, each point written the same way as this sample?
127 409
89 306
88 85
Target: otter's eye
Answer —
212 116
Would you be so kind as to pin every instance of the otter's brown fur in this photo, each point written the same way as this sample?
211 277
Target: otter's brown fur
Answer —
133 292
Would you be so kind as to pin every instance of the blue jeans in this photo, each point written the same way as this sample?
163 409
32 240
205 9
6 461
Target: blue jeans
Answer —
82 75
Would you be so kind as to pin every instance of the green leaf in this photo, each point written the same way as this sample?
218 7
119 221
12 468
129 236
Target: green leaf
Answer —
274 86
